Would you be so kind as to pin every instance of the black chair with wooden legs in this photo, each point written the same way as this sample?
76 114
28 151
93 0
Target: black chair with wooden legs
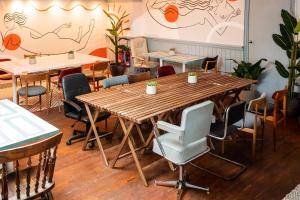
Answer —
75 85
221 130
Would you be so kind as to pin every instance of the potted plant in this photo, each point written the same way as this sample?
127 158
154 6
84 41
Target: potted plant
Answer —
172 52
151 87
114 33
32 59
71 55
288 40
249 71
192 77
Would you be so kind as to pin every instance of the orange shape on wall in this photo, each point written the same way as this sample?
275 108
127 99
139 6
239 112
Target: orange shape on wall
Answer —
12 42
171 13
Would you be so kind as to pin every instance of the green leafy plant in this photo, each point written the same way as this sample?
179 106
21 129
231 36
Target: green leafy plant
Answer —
288 40
116 30
152 83
247 69
192 74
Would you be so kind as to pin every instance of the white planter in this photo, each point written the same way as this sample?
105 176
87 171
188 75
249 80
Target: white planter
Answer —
192 79
32 61
151 90
171 53
71 56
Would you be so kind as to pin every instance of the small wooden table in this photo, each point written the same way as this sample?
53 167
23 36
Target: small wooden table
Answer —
19 126
133 106
16 67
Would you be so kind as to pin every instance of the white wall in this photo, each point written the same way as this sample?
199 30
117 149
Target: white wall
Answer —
264 21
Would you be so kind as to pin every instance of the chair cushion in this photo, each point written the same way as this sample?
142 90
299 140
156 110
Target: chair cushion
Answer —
177 152
217 129
249 121
32 91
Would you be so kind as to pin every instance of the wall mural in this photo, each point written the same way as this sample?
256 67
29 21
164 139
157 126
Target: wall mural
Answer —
20 35
53 30
176 14
207 21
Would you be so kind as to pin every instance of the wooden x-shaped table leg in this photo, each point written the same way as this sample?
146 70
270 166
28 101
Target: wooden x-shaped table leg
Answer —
93 129
127 131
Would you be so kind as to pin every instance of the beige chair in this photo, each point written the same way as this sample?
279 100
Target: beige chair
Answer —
139 48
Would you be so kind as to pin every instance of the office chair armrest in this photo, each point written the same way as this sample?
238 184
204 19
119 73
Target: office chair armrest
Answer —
139 58
170 127
73 105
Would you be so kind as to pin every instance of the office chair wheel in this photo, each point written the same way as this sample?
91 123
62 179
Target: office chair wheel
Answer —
69 142
91 145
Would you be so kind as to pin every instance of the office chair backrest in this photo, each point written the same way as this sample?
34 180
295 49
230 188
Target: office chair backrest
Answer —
165 71
116 80
75 85
196 121
66 72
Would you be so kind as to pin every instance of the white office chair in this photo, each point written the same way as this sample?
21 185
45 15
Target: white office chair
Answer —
184 143
139 48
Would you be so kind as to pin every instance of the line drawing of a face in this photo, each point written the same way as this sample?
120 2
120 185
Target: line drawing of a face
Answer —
36 42
179 14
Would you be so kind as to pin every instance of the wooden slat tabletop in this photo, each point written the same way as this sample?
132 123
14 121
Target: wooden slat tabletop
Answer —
131 101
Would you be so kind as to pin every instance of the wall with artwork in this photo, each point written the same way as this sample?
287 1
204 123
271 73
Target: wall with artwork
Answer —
202 21
43 27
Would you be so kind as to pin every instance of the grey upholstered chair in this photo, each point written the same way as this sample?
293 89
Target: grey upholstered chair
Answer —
184 143
116 80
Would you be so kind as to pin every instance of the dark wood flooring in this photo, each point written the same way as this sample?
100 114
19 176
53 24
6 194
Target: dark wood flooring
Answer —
82 174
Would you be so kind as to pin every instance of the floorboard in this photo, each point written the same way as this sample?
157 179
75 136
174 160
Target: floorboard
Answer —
82 174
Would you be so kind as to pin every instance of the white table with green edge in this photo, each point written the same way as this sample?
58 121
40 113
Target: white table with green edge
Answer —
18 126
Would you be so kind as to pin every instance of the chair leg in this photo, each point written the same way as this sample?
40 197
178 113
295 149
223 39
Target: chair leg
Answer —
262 136
180 184
40 101
274 138
253 145
242 168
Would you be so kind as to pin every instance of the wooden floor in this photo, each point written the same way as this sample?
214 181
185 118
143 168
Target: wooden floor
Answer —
82 174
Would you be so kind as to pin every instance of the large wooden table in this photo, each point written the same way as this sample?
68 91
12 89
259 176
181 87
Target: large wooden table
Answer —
133 106
16 67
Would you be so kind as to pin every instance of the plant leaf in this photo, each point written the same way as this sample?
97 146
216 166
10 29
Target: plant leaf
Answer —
281 69
289 21
297 28
280 41
288 37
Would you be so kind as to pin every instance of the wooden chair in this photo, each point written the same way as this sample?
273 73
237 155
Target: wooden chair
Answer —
30 88
35 179
254 118
99 71
3 74
277 113
133 78
210 64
